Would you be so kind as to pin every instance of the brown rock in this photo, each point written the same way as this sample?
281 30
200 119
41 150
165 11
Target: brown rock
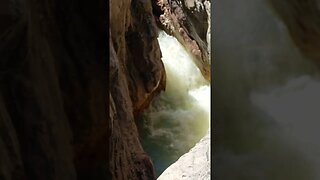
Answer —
54 119
303 22
189 22
53 87
138 75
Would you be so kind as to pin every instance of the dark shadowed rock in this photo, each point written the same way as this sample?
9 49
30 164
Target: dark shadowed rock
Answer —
303 22
137 75
53 76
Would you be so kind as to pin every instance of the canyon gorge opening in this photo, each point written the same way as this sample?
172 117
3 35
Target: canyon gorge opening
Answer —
180 116
71 98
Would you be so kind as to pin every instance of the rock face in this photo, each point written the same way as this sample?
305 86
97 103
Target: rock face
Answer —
193 165
137 74
53 76
55 121
303 22
188 21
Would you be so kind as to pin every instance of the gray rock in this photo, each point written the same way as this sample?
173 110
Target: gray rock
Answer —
193 165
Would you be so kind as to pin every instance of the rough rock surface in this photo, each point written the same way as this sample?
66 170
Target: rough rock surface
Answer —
137 74
55 121
193 165
303 22
53 76
188 21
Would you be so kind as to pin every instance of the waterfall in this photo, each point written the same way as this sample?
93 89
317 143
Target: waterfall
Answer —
179 117
266 98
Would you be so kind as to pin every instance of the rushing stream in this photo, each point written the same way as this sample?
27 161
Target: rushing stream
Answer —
266 98
178 117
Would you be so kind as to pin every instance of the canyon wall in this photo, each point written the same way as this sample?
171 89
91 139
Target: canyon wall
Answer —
137 75
53 84
303 23
55 121
189 21
57 118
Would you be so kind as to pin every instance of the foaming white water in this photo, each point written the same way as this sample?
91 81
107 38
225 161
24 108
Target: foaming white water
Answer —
184 79
295 107
266 97
202 95
178 117
180 69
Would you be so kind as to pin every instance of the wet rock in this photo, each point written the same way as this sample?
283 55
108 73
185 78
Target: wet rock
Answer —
189 21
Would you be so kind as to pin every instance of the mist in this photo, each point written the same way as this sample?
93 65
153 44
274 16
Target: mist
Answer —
265 97
179 117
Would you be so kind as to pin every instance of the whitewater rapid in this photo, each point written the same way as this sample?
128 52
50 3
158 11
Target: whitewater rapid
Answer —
266 98
180 116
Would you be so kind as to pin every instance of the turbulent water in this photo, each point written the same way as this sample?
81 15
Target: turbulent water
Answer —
266 98
180 116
